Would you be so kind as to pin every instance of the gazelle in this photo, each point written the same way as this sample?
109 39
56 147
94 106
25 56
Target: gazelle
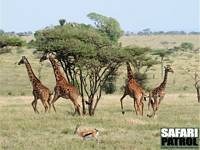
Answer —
87 133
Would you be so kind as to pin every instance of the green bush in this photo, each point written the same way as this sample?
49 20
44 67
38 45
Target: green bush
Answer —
10 93
109 86
185 46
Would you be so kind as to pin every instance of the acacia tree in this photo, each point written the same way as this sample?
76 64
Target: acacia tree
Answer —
192 70
162 53
87 55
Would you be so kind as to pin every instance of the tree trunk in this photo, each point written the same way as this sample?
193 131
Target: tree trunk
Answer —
198 94
90 104
81 91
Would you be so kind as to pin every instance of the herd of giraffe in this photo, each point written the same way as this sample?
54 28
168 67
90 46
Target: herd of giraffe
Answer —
66 90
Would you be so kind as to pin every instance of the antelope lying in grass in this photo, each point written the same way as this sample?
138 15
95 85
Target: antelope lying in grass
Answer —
87 134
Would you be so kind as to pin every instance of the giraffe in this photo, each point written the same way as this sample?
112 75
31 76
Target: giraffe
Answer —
63 88
134 90
158 93
39 90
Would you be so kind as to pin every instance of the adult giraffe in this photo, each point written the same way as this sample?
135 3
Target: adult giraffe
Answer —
158 93
63 88
134 90
39 90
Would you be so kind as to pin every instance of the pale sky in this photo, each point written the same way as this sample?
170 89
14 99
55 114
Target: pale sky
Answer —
133 15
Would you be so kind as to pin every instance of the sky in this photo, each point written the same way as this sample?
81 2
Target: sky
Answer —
133 15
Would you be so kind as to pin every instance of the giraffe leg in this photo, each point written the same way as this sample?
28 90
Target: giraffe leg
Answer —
161 98
34 105
142 108
135 106
150 101
34 102
141 105
55 98
121 100
49 102
45 104
138 104
154 109
77 107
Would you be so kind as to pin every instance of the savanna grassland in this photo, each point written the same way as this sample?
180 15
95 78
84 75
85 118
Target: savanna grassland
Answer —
21 129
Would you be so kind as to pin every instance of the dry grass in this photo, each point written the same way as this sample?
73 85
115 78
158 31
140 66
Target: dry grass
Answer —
154 41
21 129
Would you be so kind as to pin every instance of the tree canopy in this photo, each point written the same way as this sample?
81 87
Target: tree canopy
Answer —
108 25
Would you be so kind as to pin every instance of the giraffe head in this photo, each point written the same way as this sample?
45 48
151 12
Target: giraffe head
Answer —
46 56
169 69
23 60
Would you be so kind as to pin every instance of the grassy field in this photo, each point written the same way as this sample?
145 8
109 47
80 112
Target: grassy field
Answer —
155 41
21 129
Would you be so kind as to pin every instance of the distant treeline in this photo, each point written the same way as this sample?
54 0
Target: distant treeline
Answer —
149 32
126 33
28 33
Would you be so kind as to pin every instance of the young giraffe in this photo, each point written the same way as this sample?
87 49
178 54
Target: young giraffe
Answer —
39 90
157 94
134 90
63 88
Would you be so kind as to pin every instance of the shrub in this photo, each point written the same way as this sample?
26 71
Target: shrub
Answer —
109 86
10 93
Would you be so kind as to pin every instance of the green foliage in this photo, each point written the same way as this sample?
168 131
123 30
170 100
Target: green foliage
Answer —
109 86
10 41
141 78
139 57
162 52
186 46
108 25
80 39
31 44
6 41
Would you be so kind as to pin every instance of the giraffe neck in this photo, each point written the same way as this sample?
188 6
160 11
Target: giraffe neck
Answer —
129 72
163 84
57 72
31 74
